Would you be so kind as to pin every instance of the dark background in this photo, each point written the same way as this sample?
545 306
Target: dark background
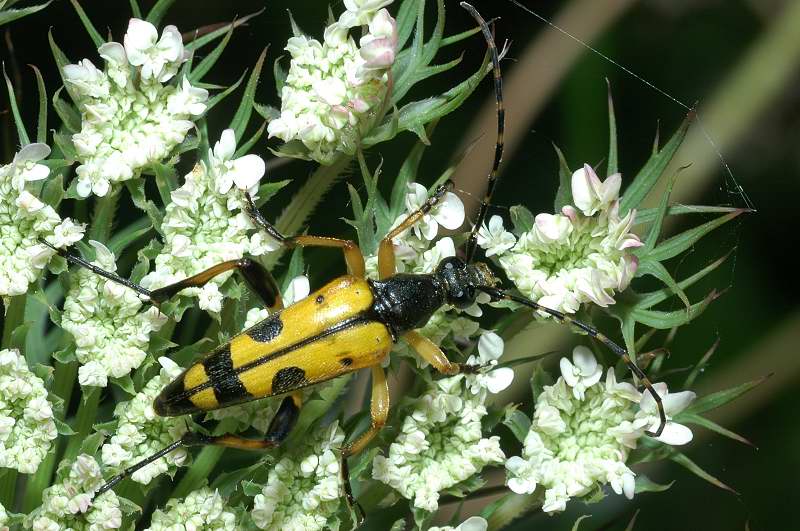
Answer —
696 50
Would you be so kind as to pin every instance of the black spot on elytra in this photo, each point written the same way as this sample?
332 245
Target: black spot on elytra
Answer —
346 362
288 379
266 330
319 299
225 382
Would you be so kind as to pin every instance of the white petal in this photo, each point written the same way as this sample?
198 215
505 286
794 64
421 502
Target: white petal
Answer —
248 170
490 346
450 212
568 372
33 152
113 51
499 379
298 289
37 173
474 523
675 434
584 360
171 43
224 149
674 403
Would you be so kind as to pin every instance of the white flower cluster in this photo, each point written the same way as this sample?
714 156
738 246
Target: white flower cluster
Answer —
579 256
141 433
24 219
111 334
202 509
130 116
3 513
27 428
475 523
334 87
440 444
303 490
583 431
72 505
205 224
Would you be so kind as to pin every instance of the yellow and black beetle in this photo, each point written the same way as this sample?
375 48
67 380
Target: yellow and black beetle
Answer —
349 324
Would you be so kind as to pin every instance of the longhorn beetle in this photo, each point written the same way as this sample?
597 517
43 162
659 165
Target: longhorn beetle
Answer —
349 324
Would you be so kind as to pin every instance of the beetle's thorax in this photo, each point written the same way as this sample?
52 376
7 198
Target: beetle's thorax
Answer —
404 302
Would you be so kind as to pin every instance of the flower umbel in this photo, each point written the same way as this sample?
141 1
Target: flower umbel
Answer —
24 219
334 87
27 428
202 509
141 433
440 444
578 256
111 333
130 117
303 488
71 503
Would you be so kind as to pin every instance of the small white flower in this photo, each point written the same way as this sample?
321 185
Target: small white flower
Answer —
244 172
474 523
27 426
490 349
449 212
3 513
584 373
495 239
674 433
157 59
71 503
590 194
202 509
440 444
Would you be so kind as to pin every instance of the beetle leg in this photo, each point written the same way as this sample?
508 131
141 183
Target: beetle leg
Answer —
352 254
386 258
379 411
431 353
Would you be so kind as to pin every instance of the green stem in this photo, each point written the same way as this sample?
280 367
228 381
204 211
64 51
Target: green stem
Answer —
87 413
305 201
8 484
63 387
15 316
103 216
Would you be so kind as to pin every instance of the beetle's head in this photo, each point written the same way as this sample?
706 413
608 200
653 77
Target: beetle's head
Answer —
462 280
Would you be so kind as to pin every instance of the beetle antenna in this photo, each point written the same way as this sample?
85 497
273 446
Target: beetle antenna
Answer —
143 463
498 147
498 294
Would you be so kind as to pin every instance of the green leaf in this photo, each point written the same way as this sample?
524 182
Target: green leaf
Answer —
92 443
677 244
136 189
224 94
657 270
10 15
12 100
249 143
125 383
242 116
613 159
408 173
279 74
522 219
645 484
564 192
159 10
648 215
580 519
700 366
68 114
665 320
267 112
97 39
688 418
650 299
61 61
199 42
720 398
296 267
210 60
406 17
41 123
53 191
650 173
518 422
695 469
655 229
129 235
136 11
251 489
268 189
63 428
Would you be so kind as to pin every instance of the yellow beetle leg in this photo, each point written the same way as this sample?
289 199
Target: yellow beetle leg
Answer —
352 254
428 351
386 258
258 278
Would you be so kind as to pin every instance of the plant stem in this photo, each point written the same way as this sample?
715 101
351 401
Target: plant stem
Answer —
87 412
8 483
15 315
